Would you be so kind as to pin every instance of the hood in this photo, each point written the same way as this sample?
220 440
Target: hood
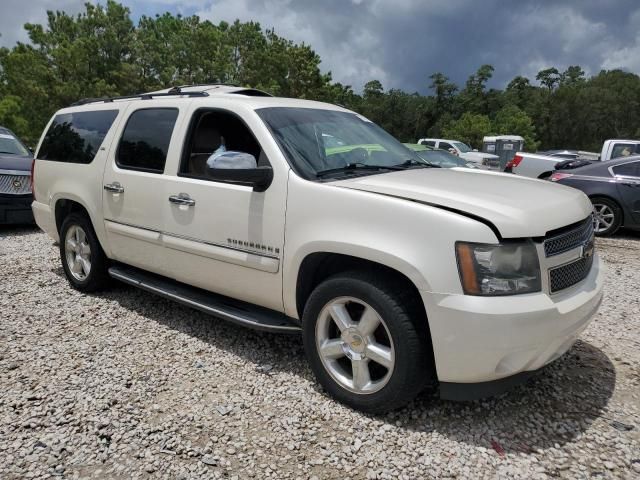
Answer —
517 206
15 162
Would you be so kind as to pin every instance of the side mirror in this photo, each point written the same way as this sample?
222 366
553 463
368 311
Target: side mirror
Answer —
239 168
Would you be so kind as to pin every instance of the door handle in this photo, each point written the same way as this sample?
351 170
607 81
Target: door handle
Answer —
114 187
182 199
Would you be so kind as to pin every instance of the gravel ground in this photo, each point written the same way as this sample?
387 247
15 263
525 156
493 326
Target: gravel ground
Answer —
127 385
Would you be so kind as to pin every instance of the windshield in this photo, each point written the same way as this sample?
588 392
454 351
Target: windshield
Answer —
316 141
463 147
442 159
11 145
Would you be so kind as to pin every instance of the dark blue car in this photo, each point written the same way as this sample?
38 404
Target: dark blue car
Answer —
15 179
614 190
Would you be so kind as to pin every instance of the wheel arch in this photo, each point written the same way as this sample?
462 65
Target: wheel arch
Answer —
318 266
65 205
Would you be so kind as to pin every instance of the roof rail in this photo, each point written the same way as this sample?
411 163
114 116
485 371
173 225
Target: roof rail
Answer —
142 96
207 85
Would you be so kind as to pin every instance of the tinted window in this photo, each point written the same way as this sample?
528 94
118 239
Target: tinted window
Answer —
431 143
146 138
76 137
628 169
445 145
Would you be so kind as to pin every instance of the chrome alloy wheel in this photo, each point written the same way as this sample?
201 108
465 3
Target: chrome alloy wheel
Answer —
354 345
604 217
78 253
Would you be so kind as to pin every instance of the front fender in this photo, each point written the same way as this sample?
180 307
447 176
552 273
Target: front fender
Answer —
414 239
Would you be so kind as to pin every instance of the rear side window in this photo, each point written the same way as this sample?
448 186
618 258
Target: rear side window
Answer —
628 169
145 140
76 137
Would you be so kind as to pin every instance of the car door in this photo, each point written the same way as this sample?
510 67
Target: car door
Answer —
627 177
134 186
221 236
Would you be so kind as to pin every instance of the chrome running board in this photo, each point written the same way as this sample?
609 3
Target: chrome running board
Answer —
235 311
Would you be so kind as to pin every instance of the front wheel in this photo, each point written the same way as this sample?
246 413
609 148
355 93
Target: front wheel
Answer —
608 216
363 342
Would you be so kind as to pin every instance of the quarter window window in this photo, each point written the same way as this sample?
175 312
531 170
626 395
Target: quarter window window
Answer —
628 169
145 140
76 137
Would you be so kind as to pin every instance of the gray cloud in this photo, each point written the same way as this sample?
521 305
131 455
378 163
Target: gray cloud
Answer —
15 13
402 42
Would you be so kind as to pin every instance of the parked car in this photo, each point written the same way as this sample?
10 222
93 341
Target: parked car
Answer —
15 181
441 158
462 150
537 165
613 188
571 154
396 275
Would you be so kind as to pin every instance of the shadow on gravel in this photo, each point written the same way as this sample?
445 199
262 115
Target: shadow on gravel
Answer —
17 230
551 409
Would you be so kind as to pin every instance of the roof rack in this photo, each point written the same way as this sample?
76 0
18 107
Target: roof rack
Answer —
207 85
142 96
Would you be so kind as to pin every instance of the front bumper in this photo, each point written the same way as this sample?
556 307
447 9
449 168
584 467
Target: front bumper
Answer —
479 342
16 209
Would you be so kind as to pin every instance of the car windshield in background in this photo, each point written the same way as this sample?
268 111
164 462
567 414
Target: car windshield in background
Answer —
319 142
442 158
11 145
463 147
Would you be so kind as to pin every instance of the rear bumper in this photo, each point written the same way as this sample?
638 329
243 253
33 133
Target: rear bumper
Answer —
15 209
487 340
44 219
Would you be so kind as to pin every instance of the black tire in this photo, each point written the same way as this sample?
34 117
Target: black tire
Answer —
98 277
617 215
545 175
413 368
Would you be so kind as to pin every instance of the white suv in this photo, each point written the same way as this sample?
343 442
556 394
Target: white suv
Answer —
395 274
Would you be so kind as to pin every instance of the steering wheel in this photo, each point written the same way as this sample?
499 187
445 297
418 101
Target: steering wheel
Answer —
358 155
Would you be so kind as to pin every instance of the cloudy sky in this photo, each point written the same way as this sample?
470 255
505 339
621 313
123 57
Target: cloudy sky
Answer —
401 42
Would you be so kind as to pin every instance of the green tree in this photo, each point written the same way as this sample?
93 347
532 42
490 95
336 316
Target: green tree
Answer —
510 120
470 128
549 77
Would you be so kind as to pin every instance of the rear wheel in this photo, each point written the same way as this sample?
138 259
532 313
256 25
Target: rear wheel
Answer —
363 344
608 216
83 259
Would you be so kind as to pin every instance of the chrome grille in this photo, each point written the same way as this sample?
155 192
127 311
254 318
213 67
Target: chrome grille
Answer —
568 275
15 184
566 241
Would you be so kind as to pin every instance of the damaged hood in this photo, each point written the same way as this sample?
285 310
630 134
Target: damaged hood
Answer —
516 206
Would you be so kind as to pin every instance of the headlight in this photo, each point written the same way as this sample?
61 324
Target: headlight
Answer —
505 269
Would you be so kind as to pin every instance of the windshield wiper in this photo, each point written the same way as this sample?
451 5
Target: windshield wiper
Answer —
357 166
411 162
11 153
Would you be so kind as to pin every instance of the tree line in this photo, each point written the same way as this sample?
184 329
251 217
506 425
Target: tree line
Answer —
102 52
